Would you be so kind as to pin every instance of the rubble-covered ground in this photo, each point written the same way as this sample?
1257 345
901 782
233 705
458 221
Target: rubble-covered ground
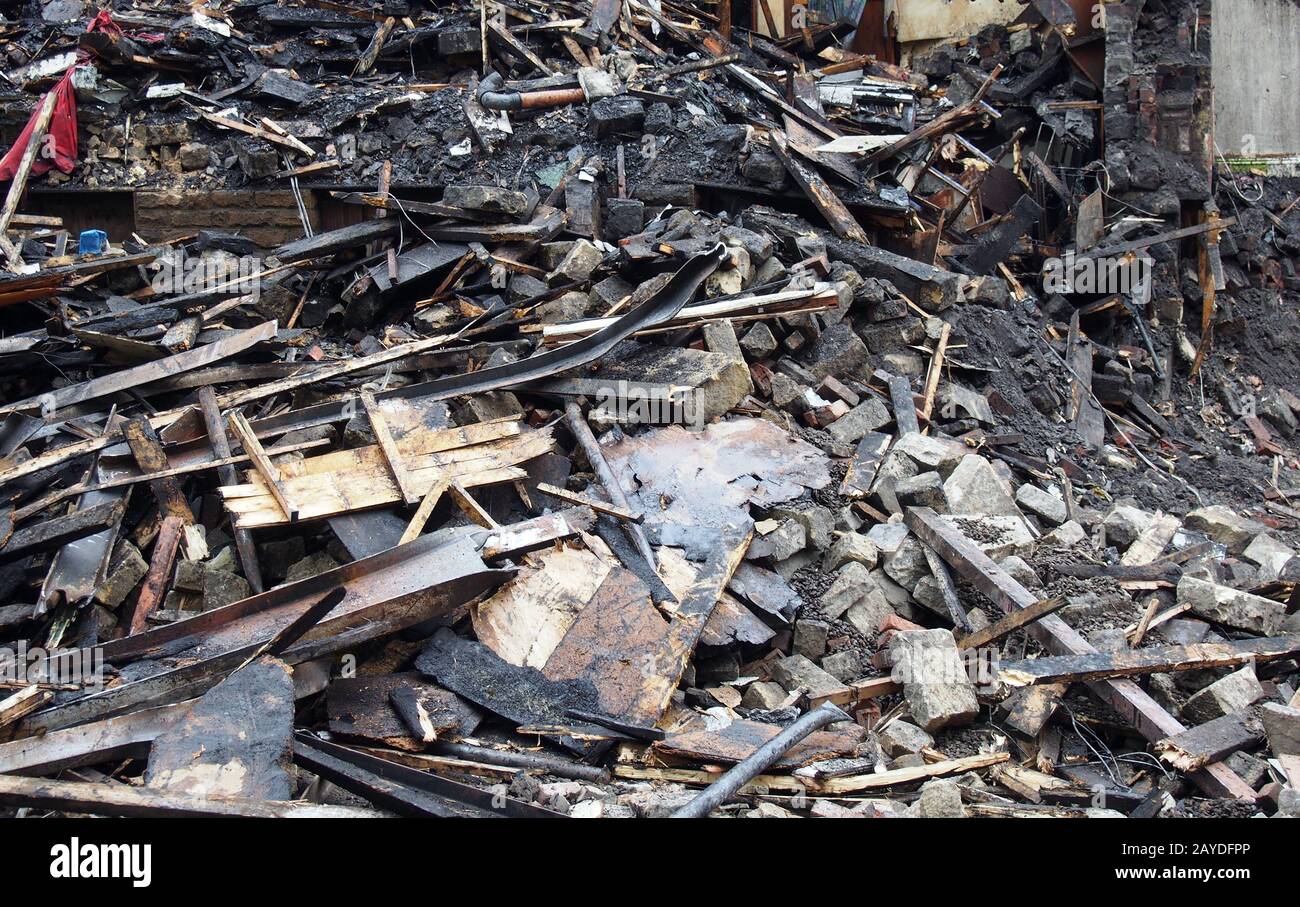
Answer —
668 389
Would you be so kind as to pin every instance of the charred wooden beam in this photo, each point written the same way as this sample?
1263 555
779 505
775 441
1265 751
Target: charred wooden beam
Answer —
1162 659
818 191
1210 742
1012 622
405 790
221 449
117 799
57 532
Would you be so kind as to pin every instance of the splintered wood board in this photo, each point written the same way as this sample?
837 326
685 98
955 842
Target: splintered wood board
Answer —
360 478
416 441
739 740
526 619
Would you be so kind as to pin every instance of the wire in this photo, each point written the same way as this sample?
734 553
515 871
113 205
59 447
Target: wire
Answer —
398 201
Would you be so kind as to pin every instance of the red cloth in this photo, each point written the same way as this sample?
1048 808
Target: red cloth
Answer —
59 145
105 22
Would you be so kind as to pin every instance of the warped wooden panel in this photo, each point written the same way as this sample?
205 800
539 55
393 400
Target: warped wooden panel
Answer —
614 638
324 494
739 740
412 444
343 494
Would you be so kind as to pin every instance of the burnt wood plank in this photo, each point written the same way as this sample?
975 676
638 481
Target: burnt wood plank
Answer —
55 533
1210 742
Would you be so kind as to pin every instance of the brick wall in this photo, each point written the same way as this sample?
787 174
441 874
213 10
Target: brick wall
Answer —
267 217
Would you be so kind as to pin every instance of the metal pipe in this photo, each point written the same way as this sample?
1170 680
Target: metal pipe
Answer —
491 96
596 457
553 765
753 765
556 97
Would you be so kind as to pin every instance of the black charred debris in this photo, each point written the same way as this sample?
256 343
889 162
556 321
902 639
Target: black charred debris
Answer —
555 409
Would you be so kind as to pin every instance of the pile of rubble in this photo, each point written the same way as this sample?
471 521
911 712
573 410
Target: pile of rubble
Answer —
744 426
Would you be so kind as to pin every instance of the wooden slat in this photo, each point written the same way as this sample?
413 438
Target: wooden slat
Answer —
619 513
156 581
1163 659
423 512
1012 622
388 448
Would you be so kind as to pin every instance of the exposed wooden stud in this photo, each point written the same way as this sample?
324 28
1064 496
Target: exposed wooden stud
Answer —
270 475
388 447
619 513
221 448
471 507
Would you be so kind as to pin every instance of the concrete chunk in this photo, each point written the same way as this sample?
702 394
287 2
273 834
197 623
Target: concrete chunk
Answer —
126 569
851 546
907 565
974 488
931 453
851 583
810 637
577 264
763 694
924 490
843 666
870 611
1227 606
887 537
936 686
489 199
1223 697
837 351
1044 503
940 799
1224 526
1282 726
759 341
1124 524
869 415
902 737
798 673
1270 554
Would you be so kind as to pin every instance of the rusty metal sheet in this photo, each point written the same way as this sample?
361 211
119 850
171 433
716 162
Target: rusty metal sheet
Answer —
384 593
127 378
